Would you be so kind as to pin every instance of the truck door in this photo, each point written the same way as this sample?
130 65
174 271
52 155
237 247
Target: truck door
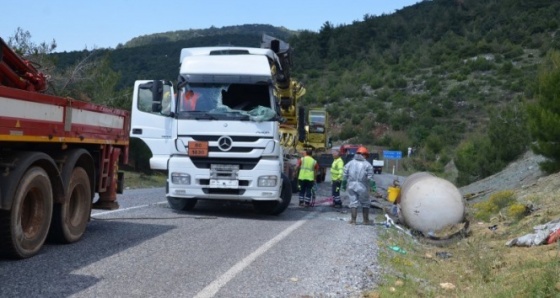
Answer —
153 120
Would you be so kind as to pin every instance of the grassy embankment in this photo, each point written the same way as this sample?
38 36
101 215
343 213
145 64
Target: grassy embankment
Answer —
480 265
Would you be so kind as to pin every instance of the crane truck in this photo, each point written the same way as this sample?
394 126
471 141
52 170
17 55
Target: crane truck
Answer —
56 153
300 129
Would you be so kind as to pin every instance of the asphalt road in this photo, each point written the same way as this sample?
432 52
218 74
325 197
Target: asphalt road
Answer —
146 249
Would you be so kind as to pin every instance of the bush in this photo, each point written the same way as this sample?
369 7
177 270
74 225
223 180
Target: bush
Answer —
480 64
496 202
348 131
376 83
484 210
517 211
502 198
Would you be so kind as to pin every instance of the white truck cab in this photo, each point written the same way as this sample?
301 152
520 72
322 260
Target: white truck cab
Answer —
217 132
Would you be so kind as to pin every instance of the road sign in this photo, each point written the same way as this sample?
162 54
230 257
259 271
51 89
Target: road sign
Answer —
392 154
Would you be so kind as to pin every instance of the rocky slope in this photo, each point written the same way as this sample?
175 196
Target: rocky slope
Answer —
522 174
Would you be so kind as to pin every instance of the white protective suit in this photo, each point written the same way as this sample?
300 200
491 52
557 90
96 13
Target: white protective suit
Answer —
358 173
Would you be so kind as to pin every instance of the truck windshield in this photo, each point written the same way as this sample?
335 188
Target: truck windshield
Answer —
225 101
316 118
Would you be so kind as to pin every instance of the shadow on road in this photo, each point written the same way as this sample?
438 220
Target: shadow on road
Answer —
102 239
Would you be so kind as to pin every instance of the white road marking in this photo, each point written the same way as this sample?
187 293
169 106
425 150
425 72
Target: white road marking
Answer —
221 281
129 208
217 284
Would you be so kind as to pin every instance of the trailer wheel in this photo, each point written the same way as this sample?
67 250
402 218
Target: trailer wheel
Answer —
24 230
70 219
181 204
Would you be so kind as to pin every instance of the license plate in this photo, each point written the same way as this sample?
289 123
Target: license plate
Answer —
222 167
198 149
217 183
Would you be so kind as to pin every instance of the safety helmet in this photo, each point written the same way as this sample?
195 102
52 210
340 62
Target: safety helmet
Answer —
362 150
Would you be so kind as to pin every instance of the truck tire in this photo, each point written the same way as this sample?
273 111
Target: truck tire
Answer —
23 230
70 218
294 185
275 207
321 175
181 204
294 181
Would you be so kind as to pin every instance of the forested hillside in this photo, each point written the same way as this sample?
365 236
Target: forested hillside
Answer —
447 77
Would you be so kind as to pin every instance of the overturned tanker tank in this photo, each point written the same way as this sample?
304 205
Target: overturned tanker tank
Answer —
429 203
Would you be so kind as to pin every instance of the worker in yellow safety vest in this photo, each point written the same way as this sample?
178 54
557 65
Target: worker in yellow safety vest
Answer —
337 168
307 167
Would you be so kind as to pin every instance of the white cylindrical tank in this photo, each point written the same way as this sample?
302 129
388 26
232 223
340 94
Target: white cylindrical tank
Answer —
429 203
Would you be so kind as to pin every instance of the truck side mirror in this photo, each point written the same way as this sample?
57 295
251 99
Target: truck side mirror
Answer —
157 95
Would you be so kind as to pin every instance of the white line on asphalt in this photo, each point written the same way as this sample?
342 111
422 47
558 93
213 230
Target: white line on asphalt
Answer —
218 283
129 208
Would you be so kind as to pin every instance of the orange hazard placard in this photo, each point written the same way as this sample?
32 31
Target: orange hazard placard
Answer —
199 149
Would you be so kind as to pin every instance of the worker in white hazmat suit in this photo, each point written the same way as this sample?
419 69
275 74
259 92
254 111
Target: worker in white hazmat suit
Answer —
357 178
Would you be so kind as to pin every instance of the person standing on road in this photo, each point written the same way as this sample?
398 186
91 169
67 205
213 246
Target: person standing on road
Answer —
307 167
358 178
337 169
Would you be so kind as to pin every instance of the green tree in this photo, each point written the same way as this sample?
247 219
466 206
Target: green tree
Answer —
102 85
36 54
507 132
325 38
21 43
505 139
475 159
544 114
89 78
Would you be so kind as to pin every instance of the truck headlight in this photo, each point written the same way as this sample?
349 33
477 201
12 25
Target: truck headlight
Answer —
180 178
267 181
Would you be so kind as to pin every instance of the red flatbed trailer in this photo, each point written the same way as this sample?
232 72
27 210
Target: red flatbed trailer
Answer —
55 154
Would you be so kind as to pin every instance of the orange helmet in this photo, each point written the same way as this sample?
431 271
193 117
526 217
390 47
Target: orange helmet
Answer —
362 150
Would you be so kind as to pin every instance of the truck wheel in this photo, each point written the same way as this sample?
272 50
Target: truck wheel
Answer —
294 182
181 204
321 175
294 185
70 219
24 230
274 207
286 196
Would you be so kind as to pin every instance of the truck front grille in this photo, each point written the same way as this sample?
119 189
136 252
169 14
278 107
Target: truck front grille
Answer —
244 164
223 191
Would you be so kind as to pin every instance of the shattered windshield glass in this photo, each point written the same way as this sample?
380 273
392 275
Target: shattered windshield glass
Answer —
200 97
251 102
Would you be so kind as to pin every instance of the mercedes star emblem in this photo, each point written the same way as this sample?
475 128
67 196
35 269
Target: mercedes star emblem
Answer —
225 143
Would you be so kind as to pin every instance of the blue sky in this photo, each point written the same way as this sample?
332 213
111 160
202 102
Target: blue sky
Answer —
76 25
